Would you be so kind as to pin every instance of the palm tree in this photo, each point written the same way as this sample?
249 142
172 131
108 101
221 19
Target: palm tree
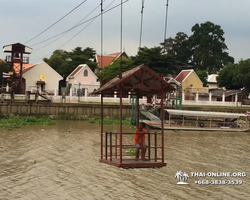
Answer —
185 176
179 175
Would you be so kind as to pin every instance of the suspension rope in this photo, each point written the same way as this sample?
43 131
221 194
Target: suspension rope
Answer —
121 40
166 22
142 8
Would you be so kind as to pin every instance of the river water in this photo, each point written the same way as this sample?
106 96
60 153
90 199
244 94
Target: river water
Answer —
61 162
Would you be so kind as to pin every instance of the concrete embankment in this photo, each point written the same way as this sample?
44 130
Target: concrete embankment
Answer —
91 109
63 108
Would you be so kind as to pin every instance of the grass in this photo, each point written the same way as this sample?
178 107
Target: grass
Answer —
97 120
132 152
16 121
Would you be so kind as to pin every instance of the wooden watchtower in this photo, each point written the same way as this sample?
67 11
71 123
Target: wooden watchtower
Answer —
16 61
139 81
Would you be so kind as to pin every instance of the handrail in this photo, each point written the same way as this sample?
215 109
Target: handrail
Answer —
110 146
133 133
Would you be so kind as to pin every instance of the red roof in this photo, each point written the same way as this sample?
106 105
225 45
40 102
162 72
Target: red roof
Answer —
28 68
182 75
25 65
106 60
76 70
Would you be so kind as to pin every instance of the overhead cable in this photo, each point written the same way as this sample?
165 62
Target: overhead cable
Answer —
83 27
79 24
57 21
69 30
142 8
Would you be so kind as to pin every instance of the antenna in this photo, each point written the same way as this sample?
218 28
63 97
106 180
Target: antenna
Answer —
166 22
142 8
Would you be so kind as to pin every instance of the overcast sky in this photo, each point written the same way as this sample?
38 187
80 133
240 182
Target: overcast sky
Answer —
24 19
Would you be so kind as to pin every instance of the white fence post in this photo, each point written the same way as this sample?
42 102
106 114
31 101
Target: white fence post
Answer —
236 99
223 97
197 97
210 97
70 92
115 96
7 88
55 92
86 92
129 97
183 96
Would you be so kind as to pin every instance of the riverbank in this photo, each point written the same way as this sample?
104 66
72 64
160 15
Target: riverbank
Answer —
18 120
16 114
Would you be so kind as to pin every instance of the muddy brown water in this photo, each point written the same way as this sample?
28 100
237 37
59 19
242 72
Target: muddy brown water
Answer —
61 162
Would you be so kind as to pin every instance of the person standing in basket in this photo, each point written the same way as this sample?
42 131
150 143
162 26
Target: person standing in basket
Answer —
139 141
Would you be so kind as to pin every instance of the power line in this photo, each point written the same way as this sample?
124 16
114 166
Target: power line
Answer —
142 8
80 24
93 18
84 27
56 21
69 30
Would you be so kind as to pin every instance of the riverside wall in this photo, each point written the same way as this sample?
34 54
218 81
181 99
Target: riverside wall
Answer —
91 109
63 108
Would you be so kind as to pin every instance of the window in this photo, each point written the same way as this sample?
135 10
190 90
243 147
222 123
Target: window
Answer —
85 73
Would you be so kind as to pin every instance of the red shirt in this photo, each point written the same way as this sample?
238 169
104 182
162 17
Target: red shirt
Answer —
139 136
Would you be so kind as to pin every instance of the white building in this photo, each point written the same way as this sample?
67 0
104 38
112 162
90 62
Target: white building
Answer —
41 75
212 81
83 78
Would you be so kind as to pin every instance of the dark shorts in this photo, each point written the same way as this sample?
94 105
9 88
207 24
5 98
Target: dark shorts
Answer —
140 144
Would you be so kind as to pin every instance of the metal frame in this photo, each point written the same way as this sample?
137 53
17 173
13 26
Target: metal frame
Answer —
113 157
112 147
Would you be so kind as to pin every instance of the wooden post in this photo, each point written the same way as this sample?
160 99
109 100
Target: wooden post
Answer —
120 91
162 127
101 126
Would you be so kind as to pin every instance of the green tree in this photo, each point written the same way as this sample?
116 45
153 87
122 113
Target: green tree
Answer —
156 60
203 77
178 48
208 48
82 56
242 75
4 67
59 62
65 62
113 70
228 77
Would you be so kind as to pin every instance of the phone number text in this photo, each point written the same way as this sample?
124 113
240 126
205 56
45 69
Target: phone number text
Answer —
219 182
